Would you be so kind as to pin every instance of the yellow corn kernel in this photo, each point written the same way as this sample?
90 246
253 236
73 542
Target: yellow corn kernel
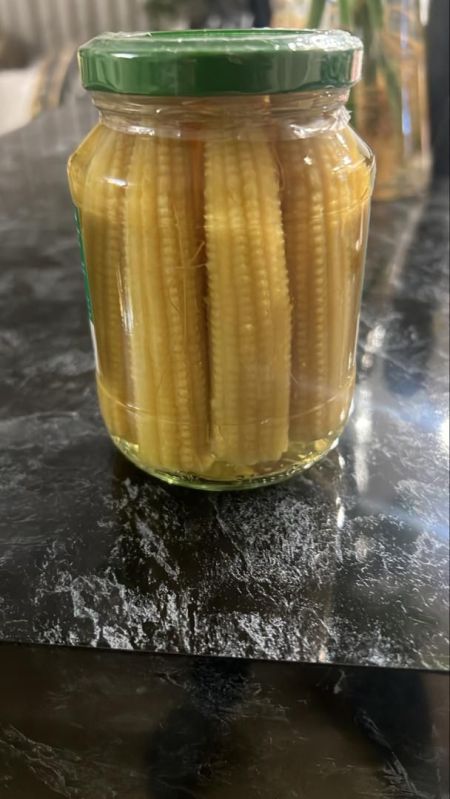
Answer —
249 307
165 286
324 179
102 223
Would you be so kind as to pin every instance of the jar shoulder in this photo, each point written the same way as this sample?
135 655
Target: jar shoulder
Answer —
81 159
336 154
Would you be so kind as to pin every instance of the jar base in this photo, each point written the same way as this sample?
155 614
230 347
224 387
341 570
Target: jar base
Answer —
292 463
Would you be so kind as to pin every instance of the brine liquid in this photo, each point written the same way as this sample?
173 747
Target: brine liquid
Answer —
225 280
221 475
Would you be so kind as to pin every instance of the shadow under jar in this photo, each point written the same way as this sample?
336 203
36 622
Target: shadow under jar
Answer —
223 206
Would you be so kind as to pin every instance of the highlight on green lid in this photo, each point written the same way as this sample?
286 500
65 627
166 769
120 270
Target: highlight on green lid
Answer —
202 63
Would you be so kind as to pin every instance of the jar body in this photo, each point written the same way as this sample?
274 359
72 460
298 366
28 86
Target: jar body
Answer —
224 245
390 104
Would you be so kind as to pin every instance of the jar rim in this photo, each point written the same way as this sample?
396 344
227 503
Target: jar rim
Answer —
202 63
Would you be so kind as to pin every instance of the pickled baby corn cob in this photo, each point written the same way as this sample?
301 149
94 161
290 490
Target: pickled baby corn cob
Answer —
175 231
324 181
80 160
248 302
165 286
340 203
102 223
355 201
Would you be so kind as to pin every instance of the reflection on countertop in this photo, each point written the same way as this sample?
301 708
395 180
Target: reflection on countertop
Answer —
347 563
98 725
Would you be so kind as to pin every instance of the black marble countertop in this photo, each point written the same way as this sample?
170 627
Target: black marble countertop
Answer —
88 724
346 564
341 571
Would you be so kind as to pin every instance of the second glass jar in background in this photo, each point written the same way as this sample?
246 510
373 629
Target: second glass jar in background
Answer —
389 104
223 205
289 13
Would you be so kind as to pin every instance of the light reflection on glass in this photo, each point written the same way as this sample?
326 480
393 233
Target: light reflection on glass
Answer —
424 6
406 117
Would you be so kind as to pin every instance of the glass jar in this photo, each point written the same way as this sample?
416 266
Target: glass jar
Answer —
289 13
389 104
223 204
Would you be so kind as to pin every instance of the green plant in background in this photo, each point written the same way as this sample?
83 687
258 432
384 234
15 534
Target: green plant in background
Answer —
366 19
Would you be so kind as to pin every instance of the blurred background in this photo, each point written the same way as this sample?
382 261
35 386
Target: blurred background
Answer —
38 71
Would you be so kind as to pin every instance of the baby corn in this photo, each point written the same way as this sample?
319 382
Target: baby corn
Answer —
102 222
323 189
165 291
248 299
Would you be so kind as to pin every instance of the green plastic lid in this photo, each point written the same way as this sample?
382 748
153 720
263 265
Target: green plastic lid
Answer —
220 62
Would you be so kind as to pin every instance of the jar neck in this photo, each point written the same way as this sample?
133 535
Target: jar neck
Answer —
288 115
